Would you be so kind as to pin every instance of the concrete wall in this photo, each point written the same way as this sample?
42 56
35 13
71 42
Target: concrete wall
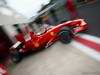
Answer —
62 14
91 13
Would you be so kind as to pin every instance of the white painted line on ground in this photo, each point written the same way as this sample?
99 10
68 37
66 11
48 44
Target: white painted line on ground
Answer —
89 51
91 38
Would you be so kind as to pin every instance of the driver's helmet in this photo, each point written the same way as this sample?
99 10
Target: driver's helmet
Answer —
45 26
43 29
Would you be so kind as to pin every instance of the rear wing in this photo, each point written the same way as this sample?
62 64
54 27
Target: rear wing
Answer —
78 25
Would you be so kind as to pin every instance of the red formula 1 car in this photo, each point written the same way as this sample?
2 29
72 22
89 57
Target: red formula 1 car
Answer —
63 32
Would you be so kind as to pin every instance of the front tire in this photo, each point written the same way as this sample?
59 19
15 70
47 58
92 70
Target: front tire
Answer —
65 36
16 57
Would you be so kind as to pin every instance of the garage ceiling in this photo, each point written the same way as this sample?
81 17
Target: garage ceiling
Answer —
9 16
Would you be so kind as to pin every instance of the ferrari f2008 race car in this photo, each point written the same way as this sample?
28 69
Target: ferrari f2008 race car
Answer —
63 32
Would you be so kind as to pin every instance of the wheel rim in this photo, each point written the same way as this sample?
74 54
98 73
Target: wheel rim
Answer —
65 36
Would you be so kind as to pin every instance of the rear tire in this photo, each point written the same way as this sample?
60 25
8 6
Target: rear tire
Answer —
16 57
65 36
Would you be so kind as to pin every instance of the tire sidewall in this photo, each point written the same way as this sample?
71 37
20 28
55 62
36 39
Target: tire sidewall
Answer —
16 57
65 36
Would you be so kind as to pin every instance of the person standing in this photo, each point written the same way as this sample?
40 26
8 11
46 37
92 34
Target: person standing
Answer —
71 9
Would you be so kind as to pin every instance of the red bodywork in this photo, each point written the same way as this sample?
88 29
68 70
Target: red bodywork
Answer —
50 36
2 70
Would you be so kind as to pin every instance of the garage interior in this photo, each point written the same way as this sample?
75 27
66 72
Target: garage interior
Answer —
79 57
